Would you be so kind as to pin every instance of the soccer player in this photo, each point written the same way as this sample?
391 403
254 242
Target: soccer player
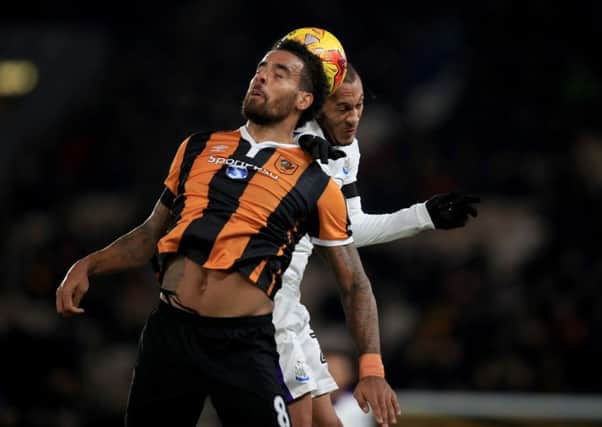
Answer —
305 369
234 205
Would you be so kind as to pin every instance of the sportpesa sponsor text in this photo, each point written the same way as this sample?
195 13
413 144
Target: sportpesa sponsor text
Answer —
239 164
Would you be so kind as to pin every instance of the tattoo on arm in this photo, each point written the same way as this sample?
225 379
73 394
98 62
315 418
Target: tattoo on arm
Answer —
135 248
356 295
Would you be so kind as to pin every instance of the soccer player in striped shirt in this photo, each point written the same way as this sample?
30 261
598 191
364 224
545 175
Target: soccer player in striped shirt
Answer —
235 204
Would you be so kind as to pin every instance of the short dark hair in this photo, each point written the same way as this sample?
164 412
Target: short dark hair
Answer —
352 74
313 77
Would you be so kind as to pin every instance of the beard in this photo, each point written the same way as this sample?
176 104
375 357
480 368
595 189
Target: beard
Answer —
265 112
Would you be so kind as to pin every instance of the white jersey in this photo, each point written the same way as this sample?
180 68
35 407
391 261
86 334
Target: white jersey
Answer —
304 368
367 229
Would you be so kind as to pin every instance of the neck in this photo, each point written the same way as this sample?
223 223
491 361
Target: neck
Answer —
281 132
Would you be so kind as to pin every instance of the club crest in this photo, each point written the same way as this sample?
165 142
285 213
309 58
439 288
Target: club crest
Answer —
285 166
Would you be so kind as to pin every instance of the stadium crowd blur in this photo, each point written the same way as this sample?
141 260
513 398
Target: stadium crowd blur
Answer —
498 98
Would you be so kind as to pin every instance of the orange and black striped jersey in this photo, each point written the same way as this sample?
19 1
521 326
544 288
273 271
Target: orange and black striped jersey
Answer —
242 206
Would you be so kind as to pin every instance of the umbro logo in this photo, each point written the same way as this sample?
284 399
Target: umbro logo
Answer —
219 148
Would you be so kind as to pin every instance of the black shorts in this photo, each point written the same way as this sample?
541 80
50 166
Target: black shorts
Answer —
183 358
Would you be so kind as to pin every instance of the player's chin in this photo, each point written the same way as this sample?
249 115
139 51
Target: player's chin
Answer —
345 137
344 141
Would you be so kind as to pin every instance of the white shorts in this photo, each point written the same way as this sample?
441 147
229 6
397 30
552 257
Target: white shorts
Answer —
303 365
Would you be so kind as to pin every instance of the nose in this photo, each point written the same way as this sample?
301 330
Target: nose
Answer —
354 116
261 75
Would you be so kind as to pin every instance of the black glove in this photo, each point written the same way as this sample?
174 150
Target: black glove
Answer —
319 148
451 210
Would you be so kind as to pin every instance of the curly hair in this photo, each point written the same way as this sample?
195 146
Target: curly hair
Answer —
313 78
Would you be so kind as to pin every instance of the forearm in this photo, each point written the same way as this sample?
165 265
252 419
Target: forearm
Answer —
361 315
370 229
133 249
356 296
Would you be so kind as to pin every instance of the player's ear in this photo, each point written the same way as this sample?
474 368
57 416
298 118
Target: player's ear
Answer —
304 100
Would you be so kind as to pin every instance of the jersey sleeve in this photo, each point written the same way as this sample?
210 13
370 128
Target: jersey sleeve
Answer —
371 229
173 177
329 224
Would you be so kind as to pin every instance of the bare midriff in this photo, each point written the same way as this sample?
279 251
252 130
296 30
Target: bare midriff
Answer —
213 293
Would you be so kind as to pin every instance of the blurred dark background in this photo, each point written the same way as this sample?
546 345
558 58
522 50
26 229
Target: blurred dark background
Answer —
499 98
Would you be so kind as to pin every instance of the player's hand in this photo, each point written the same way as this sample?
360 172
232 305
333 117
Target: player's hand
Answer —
376 394
319 148
72 289
451 210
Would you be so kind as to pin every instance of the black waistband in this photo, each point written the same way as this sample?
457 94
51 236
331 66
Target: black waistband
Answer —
239 321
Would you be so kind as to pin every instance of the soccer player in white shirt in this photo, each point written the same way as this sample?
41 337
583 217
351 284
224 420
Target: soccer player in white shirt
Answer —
303 365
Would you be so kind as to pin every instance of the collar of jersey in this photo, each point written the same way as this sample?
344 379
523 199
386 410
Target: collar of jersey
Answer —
264 144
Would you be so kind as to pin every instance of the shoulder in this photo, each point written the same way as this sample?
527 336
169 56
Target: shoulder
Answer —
198 140
343 169
311 128
352 158
352 150
314 178
215 134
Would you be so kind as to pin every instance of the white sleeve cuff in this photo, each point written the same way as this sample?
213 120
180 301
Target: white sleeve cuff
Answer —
331 243
424 219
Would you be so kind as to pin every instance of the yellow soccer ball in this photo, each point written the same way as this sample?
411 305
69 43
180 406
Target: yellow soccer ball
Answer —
330 50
